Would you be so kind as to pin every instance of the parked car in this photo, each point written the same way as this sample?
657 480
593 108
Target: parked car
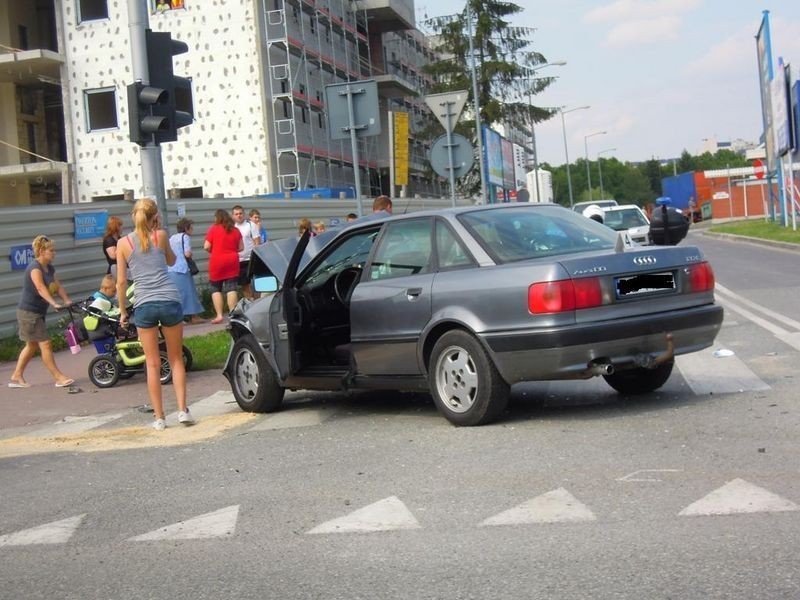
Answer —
579 207
630 218
466 302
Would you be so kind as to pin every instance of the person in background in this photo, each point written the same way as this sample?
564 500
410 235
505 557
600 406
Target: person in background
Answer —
223 243
351 217
40 286
181 244
318 227
255 219
382 204
157 303
110 239
304 225
250 239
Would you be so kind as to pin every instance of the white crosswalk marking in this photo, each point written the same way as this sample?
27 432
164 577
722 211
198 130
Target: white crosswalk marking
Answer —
557 506
738 496
57 532
215 524
707 374
387 514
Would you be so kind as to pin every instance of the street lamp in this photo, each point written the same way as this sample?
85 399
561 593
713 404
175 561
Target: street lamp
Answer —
600 170
566 152
558 63
586 150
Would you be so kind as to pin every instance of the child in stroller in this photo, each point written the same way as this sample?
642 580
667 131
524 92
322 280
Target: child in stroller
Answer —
120 354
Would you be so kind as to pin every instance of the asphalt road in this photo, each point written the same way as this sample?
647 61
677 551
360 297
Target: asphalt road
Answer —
690 492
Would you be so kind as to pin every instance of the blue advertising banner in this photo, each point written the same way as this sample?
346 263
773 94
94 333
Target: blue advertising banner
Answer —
796 119
20 256
90 224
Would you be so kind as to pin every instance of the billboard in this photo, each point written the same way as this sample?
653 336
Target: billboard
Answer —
493 148
780 110
764 51
508 165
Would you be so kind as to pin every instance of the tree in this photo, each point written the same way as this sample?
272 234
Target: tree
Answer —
504 59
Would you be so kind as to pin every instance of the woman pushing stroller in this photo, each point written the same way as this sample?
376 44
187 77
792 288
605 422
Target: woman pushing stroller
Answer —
147 253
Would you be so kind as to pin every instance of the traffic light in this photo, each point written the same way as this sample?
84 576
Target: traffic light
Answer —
161 49
144 112
158 110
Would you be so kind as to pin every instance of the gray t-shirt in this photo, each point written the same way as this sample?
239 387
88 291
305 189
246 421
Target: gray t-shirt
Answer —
149 273
30 298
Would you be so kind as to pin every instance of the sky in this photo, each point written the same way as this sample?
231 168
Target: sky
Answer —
660 76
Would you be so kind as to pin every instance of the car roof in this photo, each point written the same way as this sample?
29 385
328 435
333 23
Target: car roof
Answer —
276 254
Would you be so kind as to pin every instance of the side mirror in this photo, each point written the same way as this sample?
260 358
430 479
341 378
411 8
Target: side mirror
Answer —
265 284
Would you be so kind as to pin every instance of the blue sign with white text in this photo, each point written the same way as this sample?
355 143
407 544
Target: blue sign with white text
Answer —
90 224
21 257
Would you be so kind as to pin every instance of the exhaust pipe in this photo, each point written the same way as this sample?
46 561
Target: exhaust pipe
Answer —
600 368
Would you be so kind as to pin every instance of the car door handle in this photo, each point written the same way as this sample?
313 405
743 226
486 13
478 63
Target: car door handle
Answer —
413 293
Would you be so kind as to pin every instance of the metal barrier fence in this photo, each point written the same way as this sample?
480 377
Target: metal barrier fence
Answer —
81 265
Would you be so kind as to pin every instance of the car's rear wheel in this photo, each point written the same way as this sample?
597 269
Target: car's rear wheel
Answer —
465 384
640 380
253 381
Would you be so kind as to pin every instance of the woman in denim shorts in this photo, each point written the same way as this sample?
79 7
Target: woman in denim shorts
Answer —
147 253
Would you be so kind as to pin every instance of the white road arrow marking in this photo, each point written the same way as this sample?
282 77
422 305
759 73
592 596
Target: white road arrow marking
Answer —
57 532
738 496
558 506
219 523
384 515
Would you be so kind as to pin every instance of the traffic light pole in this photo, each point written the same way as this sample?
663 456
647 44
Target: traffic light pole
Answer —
150 154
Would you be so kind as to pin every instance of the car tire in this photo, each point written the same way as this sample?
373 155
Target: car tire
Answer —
253 381
465 385
640 380
104 371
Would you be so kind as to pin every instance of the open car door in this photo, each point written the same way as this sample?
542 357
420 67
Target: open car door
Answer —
286 315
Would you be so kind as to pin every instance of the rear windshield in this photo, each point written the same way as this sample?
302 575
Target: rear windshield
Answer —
529 231
621 219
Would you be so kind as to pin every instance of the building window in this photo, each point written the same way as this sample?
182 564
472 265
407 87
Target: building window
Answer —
313 25
286 110
92 10
320 121
101 109
162 6
304 114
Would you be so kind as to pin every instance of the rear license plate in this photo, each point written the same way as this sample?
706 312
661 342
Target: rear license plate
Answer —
638 285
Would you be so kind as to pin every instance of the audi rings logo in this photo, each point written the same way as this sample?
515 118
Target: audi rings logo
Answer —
644 260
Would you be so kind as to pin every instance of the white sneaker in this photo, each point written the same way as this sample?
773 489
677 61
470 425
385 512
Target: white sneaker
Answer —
186 417
159 424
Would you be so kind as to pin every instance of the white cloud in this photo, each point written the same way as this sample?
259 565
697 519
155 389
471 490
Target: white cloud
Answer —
644 31
632 10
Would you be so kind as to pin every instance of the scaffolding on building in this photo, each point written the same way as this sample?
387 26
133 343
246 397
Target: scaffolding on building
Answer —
311 44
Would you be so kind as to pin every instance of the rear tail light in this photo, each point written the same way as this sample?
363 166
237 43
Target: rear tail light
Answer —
701 277
564 295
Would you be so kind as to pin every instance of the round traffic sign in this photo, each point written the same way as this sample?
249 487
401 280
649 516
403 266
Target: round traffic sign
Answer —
462 156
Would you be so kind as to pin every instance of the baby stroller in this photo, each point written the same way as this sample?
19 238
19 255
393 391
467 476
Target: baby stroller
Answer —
119 352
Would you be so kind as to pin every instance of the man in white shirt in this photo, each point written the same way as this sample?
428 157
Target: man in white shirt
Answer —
250 239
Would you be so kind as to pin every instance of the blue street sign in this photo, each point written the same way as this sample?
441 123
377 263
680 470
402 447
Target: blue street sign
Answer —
21 257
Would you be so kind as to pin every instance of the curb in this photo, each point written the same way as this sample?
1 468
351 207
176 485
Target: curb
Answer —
732 237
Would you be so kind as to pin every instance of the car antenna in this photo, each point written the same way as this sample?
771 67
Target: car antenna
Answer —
405 210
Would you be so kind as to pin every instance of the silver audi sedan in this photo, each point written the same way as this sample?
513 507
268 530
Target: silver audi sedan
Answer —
466 302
